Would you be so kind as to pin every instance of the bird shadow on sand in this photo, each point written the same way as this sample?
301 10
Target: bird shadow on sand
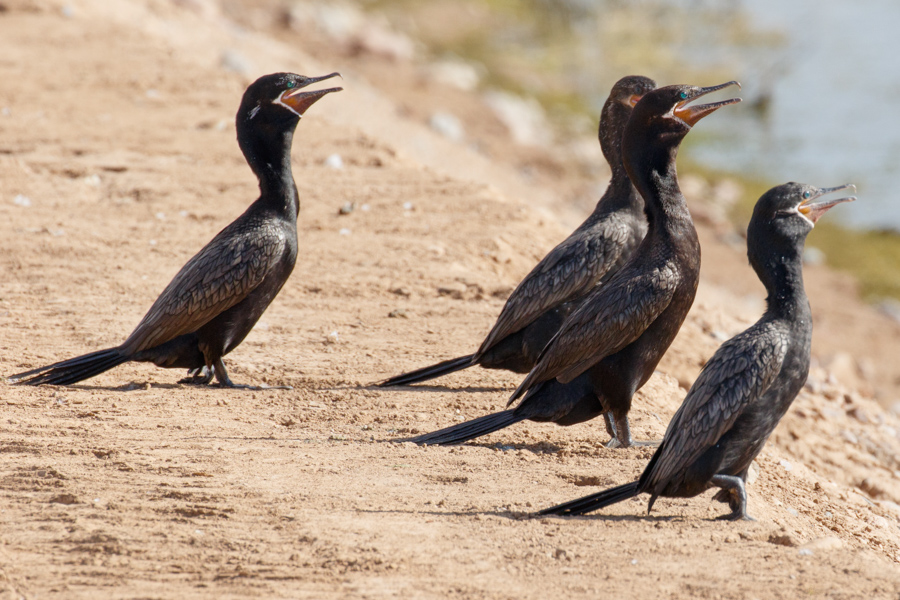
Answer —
515 515
432 388
537 448
131 386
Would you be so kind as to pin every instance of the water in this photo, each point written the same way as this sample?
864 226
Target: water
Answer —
833 92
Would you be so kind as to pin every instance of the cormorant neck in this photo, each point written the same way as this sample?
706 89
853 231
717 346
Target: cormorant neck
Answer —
612 128
270 158
655 177
781 272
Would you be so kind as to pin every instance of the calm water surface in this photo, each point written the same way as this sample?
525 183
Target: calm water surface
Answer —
833 102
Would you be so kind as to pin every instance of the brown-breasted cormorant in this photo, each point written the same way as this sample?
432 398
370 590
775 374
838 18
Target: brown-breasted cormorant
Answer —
751 380
217 297
610 345
600 245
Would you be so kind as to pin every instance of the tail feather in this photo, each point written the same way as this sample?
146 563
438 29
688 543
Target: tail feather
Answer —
469 430
73 370
426 373
594 501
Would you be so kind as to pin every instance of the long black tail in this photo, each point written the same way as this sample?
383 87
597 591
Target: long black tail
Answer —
594 501
73 370
470 429
426 373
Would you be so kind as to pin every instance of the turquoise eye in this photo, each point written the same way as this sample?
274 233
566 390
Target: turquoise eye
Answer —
682 95
807 194
291 84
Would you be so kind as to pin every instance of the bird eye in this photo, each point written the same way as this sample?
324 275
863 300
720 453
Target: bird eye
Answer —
807 194
291 85
682 95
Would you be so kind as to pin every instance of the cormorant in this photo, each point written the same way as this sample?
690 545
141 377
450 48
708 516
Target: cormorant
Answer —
217 297
751 380
600 245
610 345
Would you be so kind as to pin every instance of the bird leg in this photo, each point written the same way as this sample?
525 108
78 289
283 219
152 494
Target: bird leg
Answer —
199 376
224 381
738 501
621 433
610 425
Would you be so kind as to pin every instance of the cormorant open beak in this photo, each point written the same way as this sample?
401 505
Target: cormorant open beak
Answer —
298 100
692 114
633 99
812 209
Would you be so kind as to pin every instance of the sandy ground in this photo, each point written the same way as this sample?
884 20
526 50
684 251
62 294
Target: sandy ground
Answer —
118 162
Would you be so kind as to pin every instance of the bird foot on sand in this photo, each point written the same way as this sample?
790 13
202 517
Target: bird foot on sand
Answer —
616 443
241 386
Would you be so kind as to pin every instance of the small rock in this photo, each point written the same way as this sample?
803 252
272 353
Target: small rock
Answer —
859 414
814 384
787 465
456 73
447 125
347 208
849 436
891 507
752 473
783 539
455 290
234 61
408 206
823 543
805 552
381 41
332 338
334 161
872 488
64 499
844 368
890 307
398 313
21 200
813 256
344 231
524 117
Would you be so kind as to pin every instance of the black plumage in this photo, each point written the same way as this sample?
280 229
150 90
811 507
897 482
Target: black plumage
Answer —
545 297
218 296
752 379
610 345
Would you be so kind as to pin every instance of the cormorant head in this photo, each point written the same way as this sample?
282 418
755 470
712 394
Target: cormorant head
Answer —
666 111
279 99
618 107
660 121
788 212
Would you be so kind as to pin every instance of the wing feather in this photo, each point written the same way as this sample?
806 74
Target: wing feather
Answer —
221 275
609 319
738 374
568 271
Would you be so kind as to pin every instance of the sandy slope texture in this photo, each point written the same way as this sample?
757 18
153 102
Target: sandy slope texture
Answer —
118 161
